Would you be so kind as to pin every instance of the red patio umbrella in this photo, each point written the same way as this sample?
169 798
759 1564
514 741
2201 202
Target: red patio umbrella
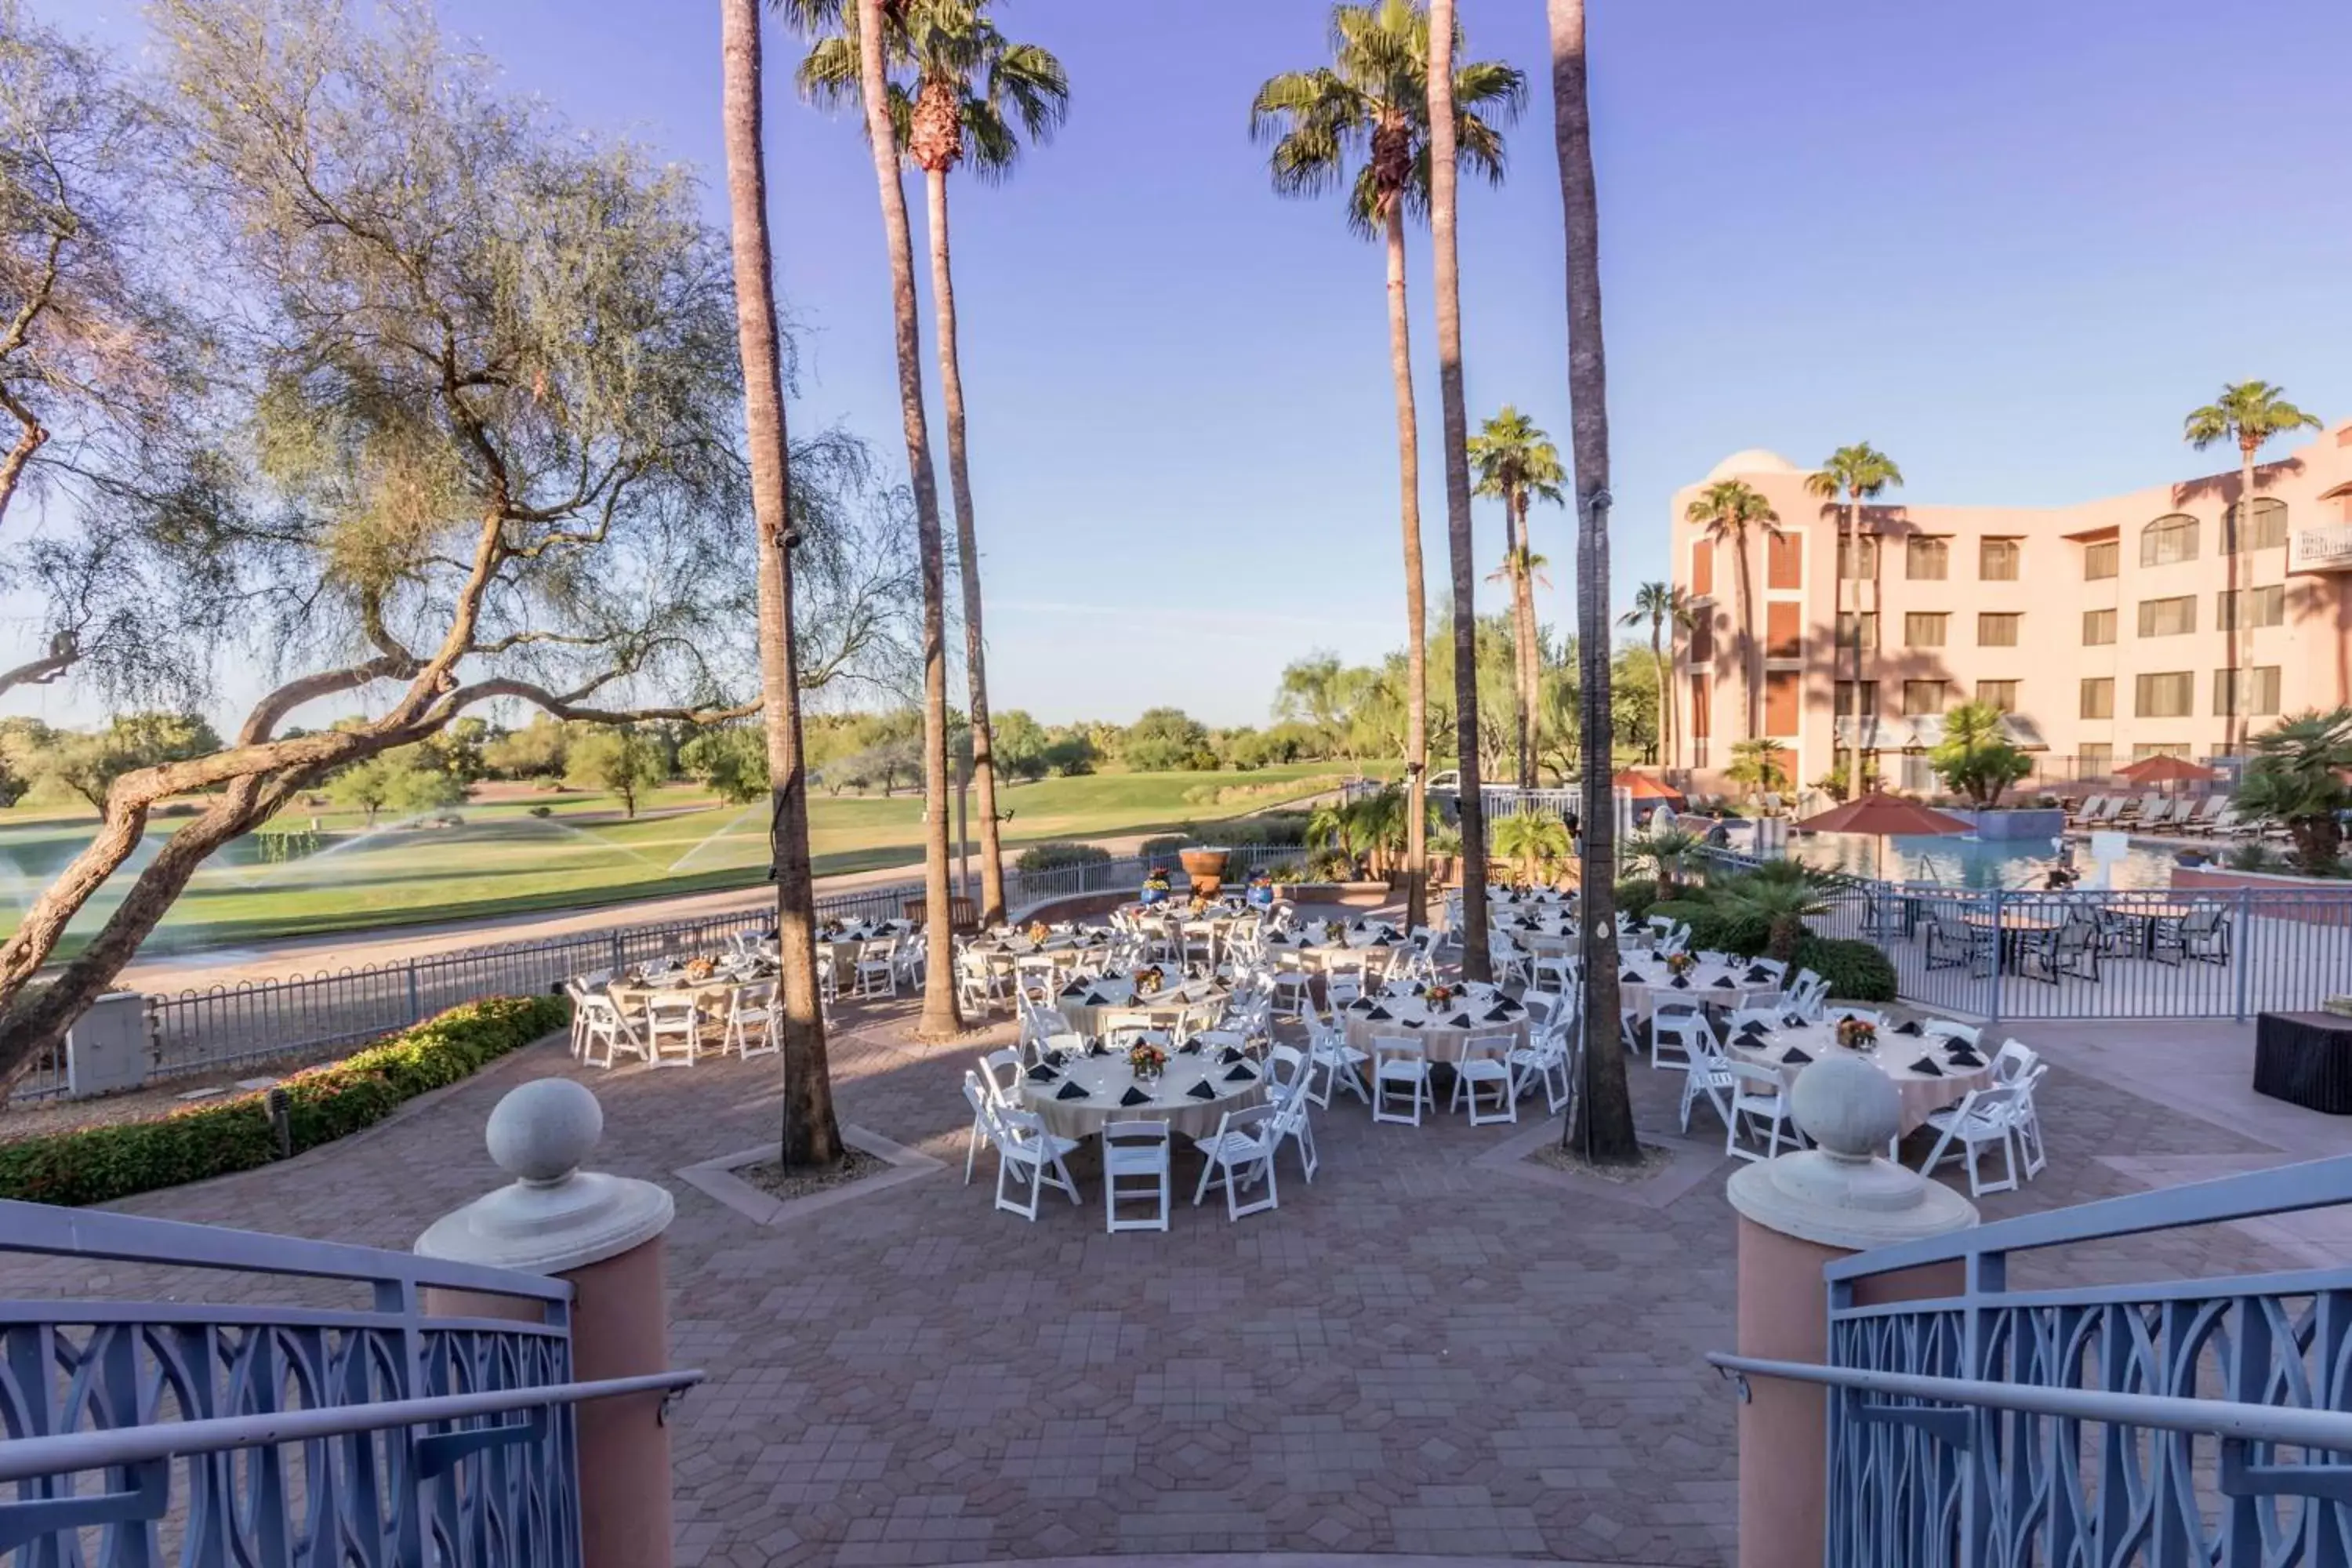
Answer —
2165 768
1642 786
1884 816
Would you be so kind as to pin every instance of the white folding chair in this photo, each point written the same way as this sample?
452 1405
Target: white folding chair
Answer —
1332 1062
1400 1064
1024 1148
752 1021
1679 1025
1139 1152
604 1030
1292 1124
2025 1121
1485 1065
1544 1060
1985 1118
875 974
1240 1154
673 1030
1756 1102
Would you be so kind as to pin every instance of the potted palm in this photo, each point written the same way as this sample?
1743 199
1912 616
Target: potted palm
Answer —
1976 760
1533 842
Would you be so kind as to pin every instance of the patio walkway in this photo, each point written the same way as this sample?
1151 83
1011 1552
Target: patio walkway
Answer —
1420 1354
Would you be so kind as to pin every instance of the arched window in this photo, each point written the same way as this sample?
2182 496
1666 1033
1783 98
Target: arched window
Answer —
2168 538
2268 533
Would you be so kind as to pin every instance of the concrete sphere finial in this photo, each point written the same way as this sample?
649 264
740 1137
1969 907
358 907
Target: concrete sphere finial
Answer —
544 1130
1847 1106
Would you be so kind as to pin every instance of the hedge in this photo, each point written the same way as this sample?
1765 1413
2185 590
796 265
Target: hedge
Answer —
98 1164
1857 971
1055 856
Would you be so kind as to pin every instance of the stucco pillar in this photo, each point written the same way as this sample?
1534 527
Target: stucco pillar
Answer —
603 1234
1797 1214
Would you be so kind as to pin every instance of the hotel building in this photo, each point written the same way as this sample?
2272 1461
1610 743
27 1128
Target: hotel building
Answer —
2103 629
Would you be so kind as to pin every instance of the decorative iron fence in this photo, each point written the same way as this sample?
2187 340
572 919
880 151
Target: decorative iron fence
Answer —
360 1431
2202 1421
2002 954
225 1026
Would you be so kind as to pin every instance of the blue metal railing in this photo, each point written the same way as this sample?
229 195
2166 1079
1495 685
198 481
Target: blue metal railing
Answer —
357 1430
2204 1421
2004 954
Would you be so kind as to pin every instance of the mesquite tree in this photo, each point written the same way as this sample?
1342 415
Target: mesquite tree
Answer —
482 439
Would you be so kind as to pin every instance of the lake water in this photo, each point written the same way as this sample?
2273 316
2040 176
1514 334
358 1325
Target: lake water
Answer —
1965 862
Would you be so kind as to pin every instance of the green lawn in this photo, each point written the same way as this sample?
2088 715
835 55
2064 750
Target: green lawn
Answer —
505 860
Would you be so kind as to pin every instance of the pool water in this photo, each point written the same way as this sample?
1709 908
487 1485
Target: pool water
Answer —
1965 862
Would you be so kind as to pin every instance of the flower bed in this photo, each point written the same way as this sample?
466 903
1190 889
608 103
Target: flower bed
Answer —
99 1165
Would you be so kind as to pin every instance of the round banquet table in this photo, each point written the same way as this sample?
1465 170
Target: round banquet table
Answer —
1106 1079
1922 1092
1642 996
842 951
709 995
1441 1038
1168 1005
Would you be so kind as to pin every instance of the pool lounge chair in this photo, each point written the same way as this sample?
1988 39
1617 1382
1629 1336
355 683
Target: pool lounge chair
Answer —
2135 812
2088 812
2155 817
2198 817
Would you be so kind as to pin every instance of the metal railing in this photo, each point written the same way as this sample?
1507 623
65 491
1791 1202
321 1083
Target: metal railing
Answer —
2005 954
220 1026
360 1429
2203 1421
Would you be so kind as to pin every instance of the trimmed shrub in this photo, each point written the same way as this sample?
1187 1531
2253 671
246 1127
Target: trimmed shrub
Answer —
1054 857
1636 896
1164 847
1857 971
99 1165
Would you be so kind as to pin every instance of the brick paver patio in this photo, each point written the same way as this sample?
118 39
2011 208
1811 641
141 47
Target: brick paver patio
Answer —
1420 1354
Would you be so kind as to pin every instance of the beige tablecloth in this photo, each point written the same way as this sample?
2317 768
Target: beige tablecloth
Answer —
1408 1018
1167 1006
1106 1079
1921 1092
710 995
1658 985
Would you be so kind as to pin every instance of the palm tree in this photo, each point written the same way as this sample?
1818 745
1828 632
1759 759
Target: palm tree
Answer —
1779 897
940 1017
1666 608
2297 777
1761 764
1447 133
976 95
1604 1114
1858 473
1727 509
1517 465
1369 108
2248 412
1534 840
811 1134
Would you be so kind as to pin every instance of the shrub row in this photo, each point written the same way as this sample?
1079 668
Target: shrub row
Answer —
99 1165
1857 971
1056 856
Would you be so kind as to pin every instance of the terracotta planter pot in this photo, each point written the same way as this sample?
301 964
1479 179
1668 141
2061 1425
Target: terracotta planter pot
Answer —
1206 867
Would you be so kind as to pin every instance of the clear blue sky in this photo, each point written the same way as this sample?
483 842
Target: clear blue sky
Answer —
2011 243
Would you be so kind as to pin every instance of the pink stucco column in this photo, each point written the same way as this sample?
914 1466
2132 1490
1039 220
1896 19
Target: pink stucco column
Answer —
1797 1214
604 1235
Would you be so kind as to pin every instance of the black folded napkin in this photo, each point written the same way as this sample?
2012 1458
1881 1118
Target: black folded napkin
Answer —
1189 1048
1074 989
1760 977
1497 1015
1303 941
1631 978
1135 1097
1071 1091
1926 1065
1459 1020
1722 982
1379 1013
1242 1074
1751 1032
1680 982
1057 1059
1419 989
1098 1048
1361 1003
1791 1021
1793 1055
1096 999
1358 926
1961 1056
1509 1006
1203 1091
1041 1073
1384 940
1908 1027
1232 1054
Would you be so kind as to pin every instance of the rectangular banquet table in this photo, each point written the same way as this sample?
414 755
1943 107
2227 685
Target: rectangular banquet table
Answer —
2304 1059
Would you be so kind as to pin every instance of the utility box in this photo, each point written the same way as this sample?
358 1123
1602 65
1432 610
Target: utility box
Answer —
107 1049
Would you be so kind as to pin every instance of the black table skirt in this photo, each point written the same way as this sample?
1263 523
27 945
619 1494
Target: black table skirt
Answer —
2304 1059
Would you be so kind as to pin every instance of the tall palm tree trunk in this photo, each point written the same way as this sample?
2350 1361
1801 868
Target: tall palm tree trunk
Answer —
1665 691
1603 1120
1530 652
1416 610
1513 574
975 651
1442 182
1877 599
1838 748
1865 722
2233 723
941 1017
1750 684
810 1135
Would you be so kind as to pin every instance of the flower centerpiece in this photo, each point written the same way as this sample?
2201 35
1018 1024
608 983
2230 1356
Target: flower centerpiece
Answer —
1857 1034
1148 980
700 969
830 930
1155 885
1680 963
1439 996
1146 1060
1038 932
1200 903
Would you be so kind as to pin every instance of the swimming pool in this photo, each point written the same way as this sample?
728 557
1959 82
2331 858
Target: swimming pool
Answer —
1965 862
